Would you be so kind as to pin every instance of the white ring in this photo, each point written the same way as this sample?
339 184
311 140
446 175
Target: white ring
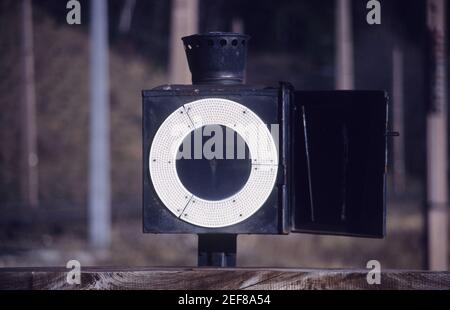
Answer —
209 213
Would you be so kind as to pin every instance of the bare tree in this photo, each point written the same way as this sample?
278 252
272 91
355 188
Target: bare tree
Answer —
126 16
437 153
237 25
29 178
399 170
344 45
184 21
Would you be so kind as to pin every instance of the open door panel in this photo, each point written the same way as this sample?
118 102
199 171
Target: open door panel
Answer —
338 162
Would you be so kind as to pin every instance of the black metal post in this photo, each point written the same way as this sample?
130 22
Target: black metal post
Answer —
217 250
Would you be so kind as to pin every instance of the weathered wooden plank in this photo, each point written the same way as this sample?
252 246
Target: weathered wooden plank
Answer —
220 279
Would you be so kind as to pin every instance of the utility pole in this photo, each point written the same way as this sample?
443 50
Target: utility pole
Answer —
99 170
344 45
184 22
437 153
29 177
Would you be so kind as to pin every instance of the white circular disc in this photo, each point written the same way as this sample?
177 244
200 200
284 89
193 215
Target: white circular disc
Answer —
213 213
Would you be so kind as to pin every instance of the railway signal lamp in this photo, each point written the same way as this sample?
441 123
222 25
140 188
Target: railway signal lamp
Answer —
222 158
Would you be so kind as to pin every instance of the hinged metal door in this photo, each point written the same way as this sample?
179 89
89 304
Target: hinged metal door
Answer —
338 162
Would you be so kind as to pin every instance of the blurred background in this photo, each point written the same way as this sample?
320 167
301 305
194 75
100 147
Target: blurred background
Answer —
47 116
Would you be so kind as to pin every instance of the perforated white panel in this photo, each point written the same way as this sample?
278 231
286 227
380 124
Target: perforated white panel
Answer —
208 213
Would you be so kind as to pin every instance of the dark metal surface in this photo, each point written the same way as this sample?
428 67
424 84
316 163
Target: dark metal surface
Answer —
217 250
158 104
332 154
339 162
217 178
332 160
217 57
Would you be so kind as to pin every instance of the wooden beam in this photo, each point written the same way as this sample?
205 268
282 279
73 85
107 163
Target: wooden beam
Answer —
218 279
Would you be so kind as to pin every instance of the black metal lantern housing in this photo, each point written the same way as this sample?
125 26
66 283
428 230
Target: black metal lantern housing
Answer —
327 173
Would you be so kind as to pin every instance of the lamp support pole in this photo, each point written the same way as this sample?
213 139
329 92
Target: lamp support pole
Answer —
217 250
